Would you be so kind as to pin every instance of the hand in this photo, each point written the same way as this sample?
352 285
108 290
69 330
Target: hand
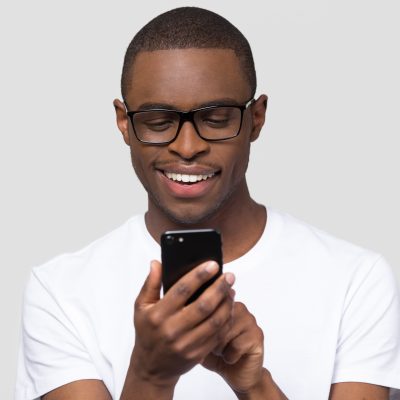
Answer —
172 338
239 358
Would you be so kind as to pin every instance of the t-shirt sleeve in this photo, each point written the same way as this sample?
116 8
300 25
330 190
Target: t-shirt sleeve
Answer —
51 353
368 348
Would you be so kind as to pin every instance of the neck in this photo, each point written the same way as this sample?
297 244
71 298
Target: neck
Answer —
238 237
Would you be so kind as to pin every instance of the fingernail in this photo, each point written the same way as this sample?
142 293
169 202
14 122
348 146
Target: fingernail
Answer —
230 278
212 267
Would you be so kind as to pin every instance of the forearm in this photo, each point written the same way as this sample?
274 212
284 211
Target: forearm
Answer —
266 389
137 387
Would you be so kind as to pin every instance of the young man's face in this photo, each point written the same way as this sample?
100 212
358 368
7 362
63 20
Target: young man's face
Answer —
186 79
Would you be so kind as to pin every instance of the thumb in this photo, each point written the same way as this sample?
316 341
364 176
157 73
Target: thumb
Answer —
150 292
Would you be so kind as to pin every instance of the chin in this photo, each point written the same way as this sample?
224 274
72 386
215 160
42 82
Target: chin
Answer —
189 218
192 215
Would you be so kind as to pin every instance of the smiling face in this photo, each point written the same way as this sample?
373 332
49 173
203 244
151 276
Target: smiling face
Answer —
191 180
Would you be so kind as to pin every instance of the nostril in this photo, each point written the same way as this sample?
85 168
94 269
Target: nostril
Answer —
188 143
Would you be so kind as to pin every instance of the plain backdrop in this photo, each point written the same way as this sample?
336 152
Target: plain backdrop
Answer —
329 152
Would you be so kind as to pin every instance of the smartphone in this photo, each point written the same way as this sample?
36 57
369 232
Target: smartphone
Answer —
181 251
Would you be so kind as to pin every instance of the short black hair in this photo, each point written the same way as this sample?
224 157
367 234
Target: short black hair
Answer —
189 27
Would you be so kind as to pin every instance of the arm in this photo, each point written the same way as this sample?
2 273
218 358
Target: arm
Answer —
358 391
88 389
96 390
267 389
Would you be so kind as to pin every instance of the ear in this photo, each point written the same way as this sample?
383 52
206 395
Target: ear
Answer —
258 110
122 119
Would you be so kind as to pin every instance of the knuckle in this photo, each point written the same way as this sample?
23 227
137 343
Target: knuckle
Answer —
155 319
252 319
182 289
216 322
204 307
170 335
137 305
240 307
178 347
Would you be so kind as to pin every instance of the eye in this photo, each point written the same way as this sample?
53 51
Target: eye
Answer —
216 122
155 121
158 125
216 118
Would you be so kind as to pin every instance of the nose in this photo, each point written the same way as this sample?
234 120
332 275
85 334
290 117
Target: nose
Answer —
189 144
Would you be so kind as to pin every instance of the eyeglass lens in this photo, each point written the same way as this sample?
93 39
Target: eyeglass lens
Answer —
162 126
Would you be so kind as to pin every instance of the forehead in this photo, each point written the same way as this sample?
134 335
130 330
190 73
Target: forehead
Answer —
186 78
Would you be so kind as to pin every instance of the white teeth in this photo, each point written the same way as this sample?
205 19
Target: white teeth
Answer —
186 177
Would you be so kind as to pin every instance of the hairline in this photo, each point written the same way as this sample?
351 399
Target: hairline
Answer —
172 48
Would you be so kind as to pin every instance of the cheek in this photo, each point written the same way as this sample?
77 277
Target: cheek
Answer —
141 162
134 159
237 161
243 159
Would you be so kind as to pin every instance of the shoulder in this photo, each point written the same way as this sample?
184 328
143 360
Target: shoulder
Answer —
97 261
322 251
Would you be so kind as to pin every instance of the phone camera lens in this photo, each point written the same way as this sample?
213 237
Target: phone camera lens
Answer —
169 239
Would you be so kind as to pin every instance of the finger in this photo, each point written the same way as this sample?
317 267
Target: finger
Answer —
226 334
205 307
150 292
242 320
243 345
178 295
235 349
248 338
204 350
189 335
204 336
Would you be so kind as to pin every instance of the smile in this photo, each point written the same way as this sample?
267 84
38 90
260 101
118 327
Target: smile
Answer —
186 178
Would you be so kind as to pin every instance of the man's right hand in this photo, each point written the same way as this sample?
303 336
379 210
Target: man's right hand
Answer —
172 338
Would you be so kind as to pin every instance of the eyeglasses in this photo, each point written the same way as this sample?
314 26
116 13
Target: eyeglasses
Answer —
213 123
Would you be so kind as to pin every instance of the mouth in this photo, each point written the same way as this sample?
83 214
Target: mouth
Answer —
188 179
181 184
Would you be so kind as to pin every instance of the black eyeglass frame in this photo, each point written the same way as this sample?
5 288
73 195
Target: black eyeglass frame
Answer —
189 116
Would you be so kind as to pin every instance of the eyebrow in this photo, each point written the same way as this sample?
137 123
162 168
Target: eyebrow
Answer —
164 106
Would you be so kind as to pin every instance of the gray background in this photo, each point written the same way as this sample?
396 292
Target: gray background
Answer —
328 153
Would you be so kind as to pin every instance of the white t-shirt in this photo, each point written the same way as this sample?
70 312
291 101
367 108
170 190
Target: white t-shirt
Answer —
329 310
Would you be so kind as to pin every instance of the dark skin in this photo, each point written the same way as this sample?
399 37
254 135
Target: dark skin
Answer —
229 195
215 331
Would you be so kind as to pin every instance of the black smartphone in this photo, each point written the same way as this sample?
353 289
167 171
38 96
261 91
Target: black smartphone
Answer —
181 251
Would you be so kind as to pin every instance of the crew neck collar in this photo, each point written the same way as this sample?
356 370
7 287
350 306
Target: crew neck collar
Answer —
263 245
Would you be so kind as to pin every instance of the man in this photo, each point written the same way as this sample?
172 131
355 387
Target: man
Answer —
311 317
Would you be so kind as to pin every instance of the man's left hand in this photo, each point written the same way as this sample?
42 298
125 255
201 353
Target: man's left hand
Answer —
239 358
